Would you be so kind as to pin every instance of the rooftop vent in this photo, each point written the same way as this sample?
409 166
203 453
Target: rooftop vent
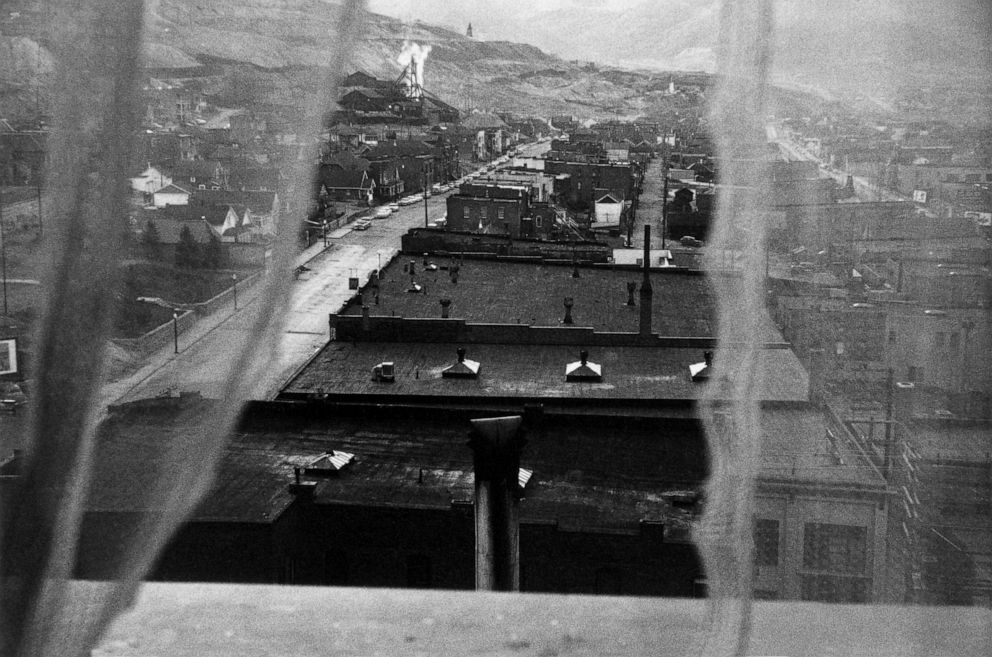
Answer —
583 370
463 369
303 490
523 476
701 371
330 463
384 372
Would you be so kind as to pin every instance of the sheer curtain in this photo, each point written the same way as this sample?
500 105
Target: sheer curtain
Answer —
95 114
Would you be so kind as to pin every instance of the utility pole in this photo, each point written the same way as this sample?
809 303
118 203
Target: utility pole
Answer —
175 331
664 206
41 224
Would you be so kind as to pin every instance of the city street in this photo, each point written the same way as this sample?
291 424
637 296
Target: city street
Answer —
865 190
206 349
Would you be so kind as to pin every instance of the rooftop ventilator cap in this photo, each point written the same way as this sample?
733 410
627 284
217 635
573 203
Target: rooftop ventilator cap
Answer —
463 369
583 370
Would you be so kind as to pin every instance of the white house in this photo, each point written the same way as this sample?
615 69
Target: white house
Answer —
150 180
170 195
608 210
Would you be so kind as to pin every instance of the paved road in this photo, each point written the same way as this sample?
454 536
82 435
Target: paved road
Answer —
863 188
207 348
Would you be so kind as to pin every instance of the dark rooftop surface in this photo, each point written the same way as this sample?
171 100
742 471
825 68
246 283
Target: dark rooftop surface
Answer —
603 474
606 473
533 293
535 371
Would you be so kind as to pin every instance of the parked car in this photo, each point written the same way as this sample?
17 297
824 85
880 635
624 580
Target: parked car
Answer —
361 224
394 206
383 212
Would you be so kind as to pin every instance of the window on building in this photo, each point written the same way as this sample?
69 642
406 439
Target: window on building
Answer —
954 341
892 337
538 221
835 548
766 538
940 340
466 212
500 213
835 560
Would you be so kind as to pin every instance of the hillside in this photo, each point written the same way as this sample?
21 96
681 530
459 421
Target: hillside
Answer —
274 40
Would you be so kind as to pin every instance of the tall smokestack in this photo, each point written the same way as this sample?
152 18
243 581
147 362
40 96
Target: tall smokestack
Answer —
646 292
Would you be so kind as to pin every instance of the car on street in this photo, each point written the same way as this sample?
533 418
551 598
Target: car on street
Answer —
409 200
394 206
383 212
361 224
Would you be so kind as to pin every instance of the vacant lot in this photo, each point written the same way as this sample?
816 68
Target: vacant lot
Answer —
174 287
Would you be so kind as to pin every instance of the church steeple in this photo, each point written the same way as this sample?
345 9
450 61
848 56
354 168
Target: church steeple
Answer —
468 32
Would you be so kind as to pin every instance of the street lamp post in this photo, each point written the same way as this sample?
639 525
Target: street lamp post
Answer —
234 278
378 255
323 230
175 331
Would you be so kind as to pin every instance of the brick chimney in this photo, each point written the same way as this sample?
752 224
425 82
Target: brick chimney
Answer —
568 303
631 288
445 308
647 293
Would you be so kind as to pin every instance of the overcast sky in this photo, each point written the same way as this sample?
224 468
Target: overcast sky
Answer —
493 19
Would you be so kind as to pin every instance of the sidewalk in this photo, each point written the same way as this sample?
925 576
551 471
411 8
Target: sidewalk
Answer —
118 390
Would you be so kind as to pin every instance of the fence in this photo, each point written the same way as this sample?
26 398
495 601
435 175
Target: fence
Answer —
162 335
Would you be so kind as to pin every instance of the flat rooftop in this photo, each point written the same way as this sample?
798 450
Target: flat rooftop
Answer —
604 473
586 473
532 293
533 371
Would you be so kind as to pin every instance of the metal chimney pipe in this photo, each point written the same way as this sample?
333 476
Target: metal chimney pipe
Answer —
496 444
647 293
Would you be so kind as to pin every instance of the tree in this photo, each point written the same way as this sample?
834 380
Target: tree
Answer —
187 250
213 254
151 241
